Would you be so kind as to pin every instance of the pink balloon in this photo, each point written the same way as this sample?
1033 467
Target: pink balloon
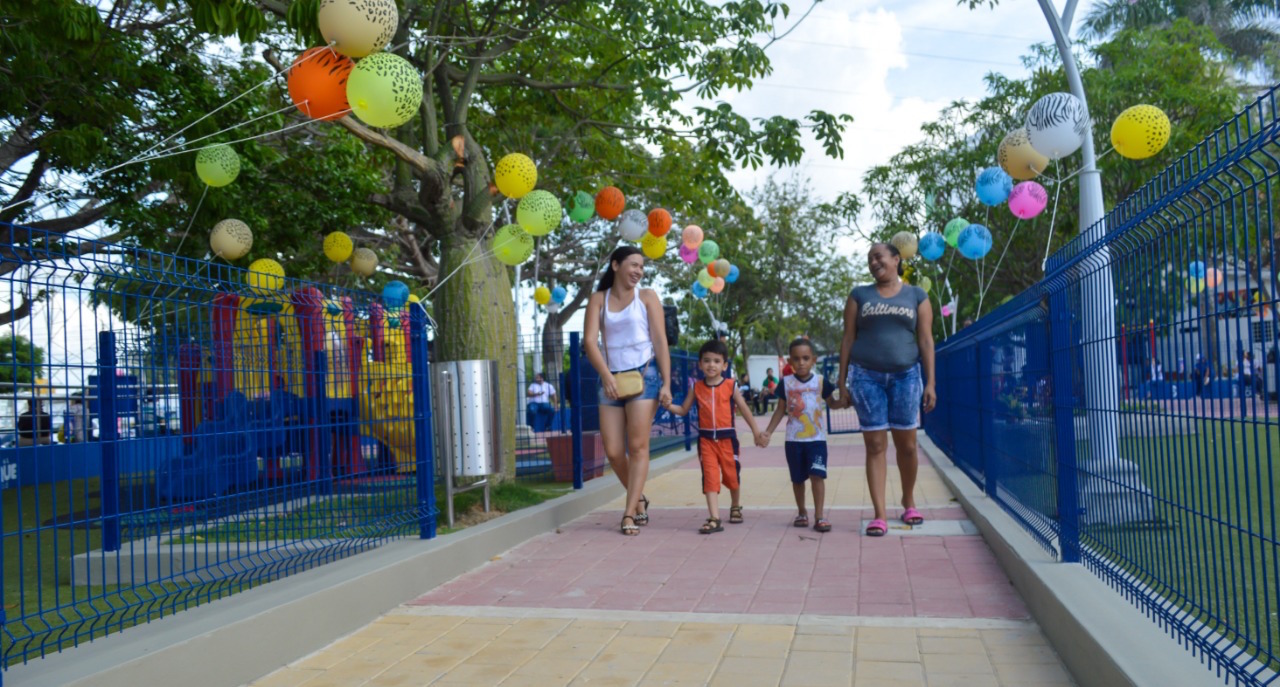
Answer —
1027 200
689 255
692 236
1212 277
718 285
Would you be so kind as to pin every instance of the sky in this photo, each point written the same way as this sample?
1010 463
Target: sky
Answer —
891 65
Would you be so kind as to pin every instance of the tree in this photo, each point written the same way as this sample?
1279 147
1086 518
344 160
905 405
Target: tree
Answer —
21 361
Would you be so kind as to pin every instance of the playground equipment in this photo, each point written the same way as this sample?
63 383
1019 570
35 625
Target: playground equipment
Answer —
292 371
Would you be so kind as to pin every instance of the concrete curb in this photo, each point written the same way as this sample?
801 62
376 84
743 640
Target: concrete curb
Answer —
1102 638
246 636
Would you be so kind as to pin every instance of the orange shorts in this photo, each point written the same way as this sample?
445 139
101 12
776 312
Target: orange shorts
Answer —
718 464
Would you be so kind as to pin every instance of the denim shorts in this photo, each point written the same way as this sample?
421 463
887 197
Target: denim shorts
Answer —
886 400
652 385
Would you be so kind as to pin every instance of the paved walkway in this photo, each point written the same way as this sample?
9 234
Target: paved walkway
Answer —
762 603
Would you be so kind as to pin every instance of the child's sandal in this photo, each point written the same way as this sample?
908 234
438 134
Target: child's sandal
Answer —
710 526
800 521
735 515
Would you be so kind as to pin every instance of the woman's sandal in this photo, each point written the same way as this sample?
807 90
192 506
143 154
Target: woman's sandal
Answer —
642 519
629 530
877 528
801 520
735 515
710 526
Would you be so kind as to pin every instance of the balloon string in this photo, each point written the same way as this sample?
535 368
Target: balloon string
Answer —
1052 217
151 297
992 279
468 259
186 146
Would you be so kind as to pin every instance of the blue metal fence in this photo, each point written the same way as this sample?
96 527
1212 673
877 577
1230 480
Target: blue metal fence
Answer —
1156 471
173 431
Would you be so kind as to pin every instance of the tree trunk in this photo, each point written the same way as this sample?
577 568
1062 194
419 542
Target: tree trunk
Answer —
477 322
553 348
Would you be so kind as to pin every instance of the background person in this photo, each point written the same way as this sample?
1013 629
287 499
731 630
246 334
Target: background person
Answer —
542 398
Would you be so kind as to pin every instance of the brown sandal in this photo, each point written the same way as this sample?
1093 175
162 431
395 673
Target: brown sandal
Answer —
735 515
629 530
712 525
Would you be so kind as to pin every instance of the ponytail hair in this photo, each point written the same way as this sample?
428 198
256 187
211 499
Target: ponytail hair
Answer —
618 256
893 250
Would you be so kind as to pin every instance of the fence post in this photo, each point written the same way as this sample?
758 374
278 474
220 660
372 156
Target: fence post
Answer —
1064 425
107 436
987 407
575 418
688 425
422 430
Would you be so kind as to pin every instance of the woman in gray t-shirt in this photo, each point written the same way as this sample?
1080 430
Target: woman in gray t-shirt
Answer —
886 370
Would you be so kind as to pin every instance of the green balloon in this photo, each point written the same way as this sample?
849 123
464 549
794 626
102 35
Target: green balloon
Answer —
952 231
705 278
217 165
538 212
708 252
384 90
512 245
582 199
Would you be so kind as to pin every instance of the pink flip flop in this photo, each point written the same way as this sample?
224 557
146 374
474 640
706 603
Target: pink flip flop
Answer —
912 517
877 528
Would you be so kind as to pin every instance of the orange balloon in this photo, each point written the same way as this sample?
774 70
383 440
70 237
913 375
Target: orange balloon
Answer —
659 222
610 202
711 269
318 83
718 285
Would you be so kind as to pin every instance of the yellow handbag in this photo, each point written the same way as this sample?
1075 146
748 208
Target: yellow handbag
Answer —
630 383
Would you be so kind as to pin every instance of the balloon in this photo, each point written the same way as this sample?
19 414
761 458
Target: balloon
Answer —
1140 132
364 262
1195 285
699 291
718 285
706 278
318 83
659 222
265 275
709 250
1027 200
689 255
926 284
733 274
993 186
413 298
654 247
610 202
1212 277
358 27
542 295
722 267
932 245
692 236
539 212
338 246
947 310
906 244
384 90
584 206
512 245
395 294
515 175
1056 125
974 242
217 165
231 239
1196 270
952 231
558 294
633 225
1018 158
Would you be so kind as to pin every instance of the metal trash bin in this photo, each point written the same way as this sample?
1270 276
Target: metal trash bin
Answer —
466 407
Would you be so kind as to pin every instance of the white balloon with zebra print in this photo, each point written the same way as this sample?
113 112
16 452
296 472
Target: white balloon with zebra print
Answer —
1057 125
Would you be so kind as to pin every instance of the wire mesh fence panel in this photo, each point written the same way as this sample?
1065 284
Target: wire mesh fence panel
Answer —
1125 408
173 431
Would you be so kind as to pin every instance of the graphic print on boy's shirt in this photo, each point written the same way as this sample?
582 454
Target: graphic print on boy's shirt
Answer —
805 406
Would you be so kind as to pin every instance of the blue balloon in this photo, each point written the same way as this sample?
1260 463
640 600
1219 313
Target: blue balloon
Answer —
395 294
732 276
974 242
932 245
993 186
558 295
1196 270
699 290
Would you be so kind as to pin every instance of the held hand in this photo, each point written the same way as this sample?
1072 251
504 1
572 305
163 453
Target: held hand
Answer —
610 386
664 395
845 399
930 398
762 439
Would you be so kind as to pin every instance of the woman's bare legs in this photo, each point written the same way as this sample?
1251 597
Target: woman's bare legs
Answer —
877 444
639 427
904 444
613 434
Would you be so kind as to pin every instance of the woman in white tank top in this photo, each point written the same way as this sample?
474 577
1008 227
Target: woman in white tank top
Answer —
634 338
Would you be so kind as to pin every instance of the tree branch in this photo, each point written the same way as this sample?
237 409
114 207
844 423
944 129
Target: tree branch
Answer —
29 186
21 312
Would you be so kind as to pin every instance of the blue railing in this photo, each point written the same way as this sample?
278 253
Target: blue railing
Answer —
1156 471
171 433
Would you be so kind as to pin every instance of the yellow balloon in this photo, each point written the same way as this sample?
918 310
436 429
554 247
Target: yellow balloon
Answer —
654 247
1018 158
515 174
906 243
364 262
384 90
413 298
1140 132
265 275
338 247
1195 285
358 27
926 284
512 245
542 295
217 165
231 239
